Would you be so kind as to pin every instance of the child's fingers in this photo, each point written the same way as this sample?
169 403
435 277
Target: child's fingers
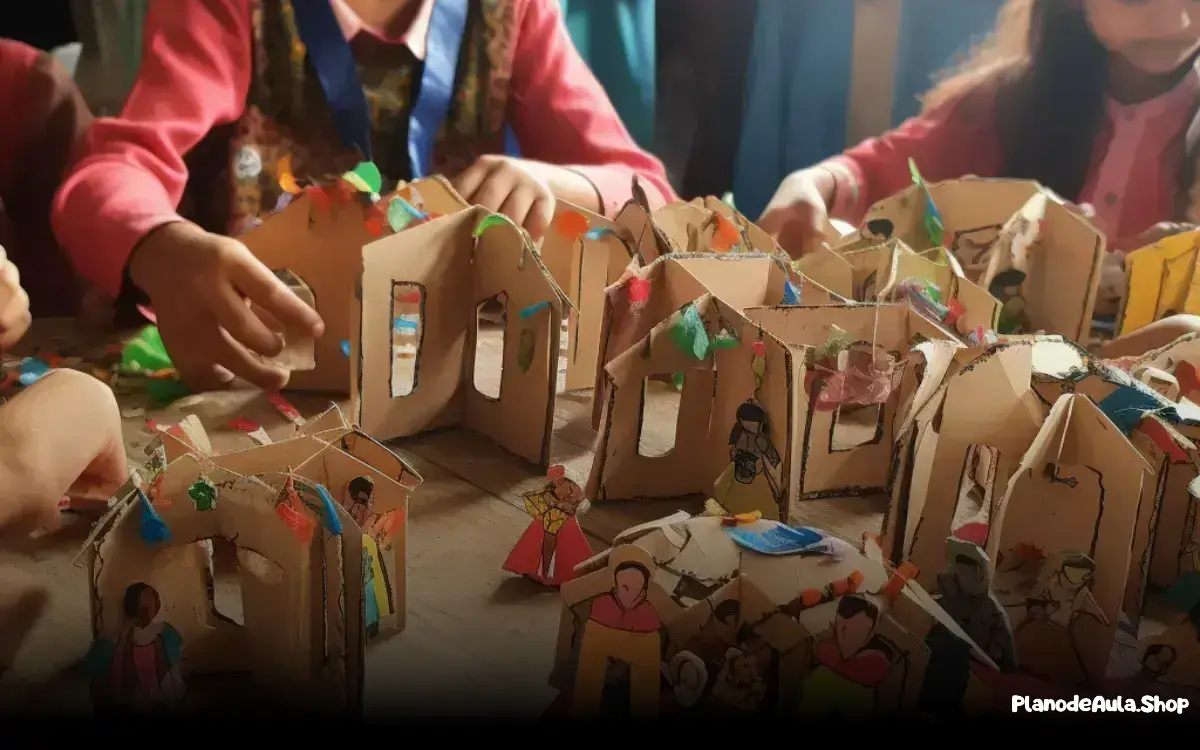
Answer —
471 179
15 319
235 358
264 288
529 209
234 316
193 359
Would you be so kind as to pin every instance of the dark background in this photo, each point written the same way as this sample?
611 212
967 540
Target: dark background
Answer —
41 23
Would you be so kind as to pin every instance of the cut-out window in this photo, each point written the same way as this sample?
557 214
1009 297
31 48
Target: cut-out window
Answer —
660 416
976 486
227 580
855 426
491 330
408 307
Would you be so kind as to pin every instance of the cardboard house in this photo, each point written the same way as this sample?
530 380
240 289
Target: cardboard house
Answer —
1053 254
713 627
703 225
584 253
448 270
648 295
931 281
1160 281
318 525
766 416
318 241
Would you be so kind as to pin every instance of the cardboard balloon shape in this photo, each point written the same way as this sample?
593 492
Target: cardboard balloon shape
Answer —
416 342
585 253
1161 281
645 297
708 626
320 243
1047 271
301 568
1062 537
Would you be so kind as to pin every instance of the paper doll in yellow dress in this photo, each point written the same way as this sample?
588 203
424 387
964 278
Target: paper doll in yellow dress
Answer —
750 483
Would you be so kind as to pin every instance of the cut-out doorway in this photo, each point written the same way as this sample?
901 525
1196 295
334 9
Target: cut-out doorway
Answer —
976 486
407 330
856 426
491 337
659 426
227 581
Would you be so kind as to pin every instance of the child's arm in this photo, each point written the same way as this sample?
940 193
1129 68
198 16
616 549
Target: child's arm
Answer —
44 116
194 75
14 305
61 436
957 139
564 120
1154 336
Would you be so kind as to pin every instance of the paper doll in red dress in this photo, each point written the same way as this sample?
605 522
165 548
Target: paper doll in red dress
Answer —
140 670
850 664
553 544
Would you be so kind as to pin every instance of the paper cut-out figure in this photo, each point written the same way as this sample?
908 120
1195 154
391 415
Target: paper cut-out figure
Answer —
749 482
140 671
1060 596
965 593
377 597
739 685
553 544
850 664
688 675
623 626
1157 661
711 643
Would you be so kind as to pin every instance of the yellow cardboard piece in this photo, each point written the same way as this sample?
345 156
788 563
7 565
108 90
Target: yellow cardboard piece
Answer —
1161 281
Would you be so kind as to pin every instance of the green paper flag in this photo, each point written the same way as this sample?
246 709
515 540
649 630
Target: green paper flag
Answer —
677 379
400 214
723 340
727 199
146 352
689 333
365 178
489 222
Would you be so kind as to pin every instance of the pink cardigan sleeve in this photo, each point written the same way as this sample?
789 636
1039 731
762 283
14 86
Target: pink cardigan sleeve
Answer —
130 176
957 139
561 115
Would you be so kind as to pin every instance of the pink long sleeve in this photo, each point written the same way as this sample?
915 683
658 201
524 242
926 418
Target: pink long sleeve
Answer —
957 139
561 114
130 177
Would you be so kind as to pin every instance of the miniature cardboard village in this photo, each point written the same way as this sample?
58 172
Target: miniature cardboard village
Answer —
1034 494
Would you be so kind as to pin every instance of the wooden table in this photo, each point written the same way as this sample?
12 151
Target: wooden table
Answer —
476 636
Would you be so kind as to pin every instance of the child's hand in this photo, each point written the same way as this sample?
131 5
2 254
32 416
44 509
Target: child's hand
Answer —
200 285
1155 233
59 437
509 186
14 304
797 213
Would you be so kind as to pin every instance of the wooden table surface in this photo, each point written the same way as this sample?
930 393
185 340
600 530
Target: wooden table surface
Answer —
476 636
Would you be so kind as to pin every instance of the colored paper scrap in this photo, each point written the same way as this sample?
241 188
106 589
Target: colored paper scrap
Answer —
153 529
289 412
595 234
488 222
204 495
401 213
365 178
933 220
241 424
345 347
571 224
1126 406
1158 432
533 309
954 311
1187 377
791 295
677 379
774 538
723 340
165 391
689 333
638 290
727 236
148 314
402 324
332 522
146 352
32 370
297 520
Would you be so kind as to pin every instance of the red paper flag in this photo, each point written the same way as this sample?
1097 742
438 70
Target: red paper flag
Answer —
570 224
1189 381
241 424
639 290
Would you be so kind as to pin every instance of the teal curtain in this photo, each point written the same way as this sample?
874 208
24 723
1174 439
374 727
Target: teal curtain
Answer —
616 38
798 80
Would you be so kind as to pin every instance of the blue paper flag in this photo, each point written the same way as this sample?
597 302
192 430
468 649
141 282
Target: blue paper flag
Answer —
791 295
595 234
345 347
153 529
33 370
401 324
329 511
774 538
533 309
1127 405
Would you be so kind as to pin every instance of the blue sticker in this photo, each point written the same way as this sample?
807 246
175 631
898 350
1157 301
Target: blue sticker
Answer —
774 538
791 295
533 309
402 324
345 347
33 370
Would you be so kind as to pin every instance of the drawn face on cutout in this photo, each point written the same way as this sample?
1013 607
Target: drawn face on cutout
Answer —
566 492
630 582
141 604
969 575
361 491
854 625
1077 572
1158 659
